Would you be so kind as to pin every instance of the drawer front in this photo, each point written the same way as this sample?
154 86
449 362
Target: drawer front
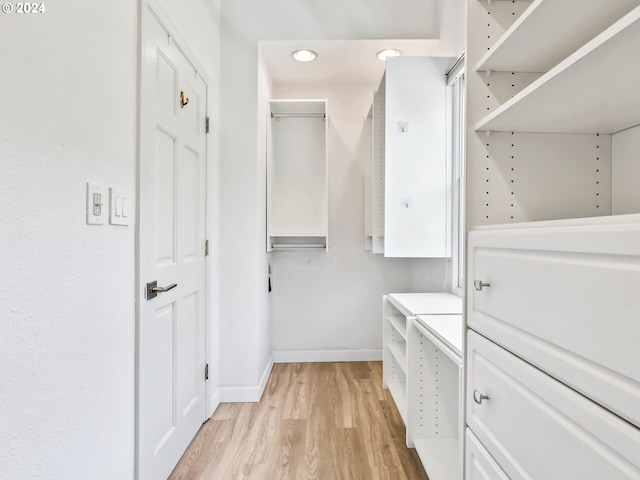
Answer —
478 464
568 302
537 428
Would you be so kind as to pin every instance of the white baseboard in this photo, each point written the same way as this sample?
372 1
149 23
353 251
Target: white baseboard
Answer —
302 356
214 401
247 394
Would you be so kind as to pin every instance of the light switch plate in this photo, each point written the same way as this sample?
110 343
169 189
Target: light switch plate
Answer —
120 207
96 204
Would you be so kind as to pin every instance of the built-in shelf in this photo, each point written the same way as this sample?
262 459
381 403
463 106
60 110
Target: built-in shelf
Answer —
440 457
399 395
421 364
399 352
559 28
399 323
595 90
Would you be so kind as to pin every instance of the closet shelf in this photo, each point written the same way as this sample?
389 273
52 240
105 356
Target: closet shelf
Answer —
399 351
439 455
549 31
595 90
399 323
399 395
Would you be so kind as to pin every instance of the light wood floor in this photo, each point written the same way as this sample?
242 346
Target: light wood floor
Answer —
316 421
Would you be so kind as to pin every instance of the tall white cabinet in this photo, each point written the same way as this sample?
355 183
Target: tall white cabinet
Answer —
552 378
407 175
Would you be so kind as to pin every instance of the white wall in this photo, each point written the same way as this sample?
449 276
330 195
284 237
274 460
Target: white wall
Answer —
327 305
625 171
67 289
67 312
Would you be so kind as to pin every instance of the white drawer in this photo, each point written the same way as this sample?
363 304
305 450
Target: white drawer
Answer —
479 465
537 428
566 300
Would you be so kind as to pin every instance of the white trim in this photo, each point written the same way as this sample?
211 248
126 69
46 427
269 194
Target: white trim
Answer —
165 20
302 356
214 402
247 394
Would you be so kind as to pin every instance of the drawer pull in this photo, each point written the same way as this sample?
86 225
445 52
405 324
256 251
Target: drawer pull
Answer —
479 397
479 284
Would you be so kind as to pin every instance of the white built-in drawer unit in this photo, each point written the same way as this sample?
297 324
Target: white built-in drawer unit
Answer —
565 297
537 428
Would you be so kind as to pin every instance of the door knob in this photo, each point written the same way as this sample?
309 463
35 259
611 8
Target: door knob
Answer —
153 289
479 285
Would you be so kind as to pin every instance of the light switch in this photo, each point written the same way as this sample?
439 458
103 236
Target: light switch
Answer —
119 206
96 196
405 202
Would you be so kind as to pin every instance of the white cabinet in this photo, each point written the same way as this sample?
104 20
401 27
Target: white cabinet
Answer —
537 428
408 164
422 368
553 369
297 189
566 300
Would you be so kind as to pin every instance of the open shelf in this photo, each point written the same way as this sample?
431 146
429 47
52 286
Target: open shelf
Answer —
399 323
595 90
440 457
559 28
399 351
399 393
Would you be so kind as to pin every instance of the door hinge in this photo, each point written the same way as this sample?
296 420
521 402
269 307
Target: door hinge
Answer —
206 248
206 125
206 372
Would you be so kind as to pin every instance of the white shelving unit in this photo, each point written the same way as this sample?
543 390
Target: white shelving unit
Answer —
297 186
594 90
434 394
420 336
554 87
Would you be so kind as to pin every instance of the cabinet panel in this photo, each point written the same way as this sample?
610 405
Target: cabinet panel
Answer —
565 299
537 428
479 465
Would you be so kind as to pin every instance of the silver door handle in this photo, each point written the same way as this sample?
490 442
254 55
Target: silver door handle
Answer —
479 285
478 397
153 289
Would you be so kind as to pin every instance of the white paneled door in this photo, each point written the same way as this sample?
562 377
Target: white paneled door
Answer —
171 243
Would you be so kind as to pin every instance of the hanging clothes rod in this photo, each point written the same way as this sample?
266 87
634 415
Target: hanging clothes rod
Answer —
298 115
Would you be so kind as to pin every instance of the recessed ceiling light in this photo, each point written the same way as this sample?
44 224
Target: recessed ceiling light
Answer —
389 52
304 55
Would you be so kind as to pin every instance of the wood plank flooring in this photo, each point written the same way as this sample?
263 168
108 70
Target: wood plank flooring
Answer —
316 421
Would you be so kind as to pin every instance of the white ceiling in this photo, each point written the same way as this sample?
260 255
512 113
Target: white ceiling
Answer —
339 61
353 31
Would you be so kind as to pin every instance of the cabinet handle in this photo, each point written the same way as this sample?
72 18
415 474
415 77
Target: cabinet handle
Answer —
479 397
479 284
